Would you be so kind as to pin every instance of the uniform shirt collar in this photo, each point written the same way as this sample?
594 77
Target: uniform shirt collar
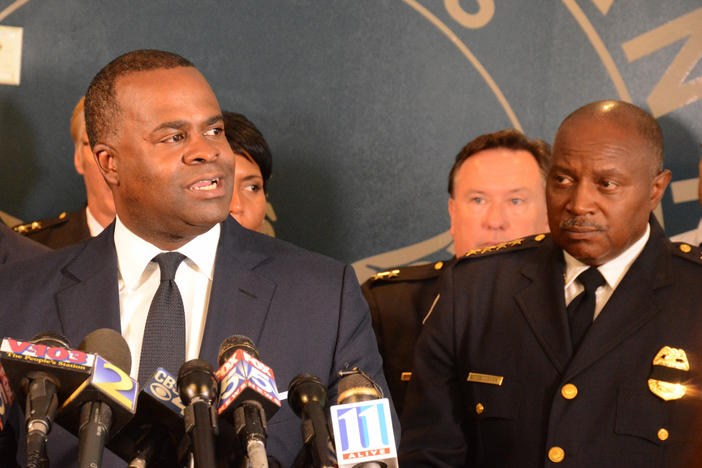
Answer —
134 253
614 270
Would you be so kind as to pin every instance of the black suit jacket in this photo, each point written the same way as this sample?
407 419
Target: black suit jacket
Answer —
503 315
303 311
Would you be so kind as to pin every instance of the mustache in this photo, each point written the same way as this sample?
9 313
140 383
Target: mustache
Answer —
581 223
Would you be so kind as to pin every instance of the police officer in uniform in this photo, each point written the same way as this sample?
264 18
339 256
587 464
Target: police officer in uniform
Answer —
69 228
578 349
496 189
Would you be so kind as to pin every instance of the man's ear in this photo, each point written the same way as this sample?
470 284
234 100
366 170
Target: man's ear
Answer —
105 156
660 182
78 159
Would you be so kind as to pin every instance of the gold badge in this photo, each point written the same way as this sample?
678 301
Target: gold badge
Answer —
663 381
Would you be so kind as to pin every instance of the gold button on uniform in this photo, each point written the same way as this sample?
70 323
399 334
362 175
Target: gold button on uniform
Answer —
663 433
556 454
569 391
438 265
479 408
684 248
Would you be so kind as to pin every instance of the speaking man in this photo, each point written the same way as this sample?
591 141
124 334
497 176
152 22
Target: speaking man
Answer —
582 347
156 130
496 193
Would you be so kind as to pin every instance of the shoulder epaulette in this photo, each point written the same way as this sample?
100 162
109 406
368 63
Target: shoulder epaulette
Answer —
36 226
509 246
410 273
688 251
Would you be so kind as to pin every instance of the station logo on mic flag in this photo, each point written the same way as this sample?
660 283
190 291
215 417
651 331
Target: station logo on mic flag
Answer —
363 432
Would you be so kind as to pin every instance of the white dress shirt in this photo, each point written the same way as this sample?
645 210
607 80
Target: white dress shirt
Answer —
139 278
613 271
94 227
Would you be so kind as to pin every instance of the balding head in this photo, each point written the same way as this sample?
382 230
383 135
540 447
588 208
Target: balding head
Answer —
605 179
626 116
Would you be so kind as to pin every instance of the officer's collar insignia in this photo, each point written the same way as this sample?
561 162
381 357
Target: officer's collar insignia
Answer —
669 373
495 248
386 274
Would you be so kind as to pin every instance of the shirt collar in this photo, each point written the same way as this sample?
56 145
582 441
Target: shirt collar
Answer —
614 270
94 226
134 253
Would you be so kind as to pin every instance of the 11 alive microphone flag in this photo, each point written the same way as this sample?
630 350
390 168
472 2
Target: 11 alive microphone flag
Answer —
363 433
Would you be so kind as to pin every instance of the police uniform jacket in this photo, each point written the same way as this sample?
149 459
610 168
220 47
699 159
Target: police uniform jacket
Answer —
496 383
399 300
61 231
14 247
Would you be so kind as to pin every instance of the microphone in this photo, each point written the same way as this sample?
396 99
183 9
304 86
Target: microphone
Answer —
152 436
198 391
248 395
42 372
307 396
362 424
106 401
7 398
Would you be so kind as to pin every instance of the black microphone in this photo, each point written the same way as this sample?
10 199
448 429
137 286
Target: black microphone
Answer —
106 401
42 372
362 424
152 436
41 404
307 397
248 395
198 390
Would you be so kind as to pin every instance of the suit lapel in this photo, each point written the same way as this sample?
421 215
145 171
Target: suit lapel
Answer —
240 297
90 299
546 316
632 305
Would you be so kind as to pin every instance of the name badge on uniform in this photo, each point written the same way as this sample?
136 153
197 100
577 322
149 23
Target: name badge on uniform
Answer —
669 373
485 378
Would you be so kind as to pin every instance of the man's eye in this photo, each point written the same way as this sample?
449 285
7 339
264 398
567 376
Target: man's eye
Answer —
516 201
214 131
477 200
609 184
175 138
561 179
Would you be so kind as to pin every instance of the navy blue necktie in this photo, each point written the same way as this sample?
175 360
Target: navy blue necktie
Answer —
164 334
581 310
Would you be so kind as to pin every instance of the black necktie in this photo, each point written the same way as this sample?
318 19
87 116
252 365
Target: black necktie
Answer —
164 334
581 310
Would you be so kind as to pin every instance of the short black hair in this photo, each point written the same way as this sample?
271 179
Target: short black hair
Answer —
510 139
246 140
101 107
623 114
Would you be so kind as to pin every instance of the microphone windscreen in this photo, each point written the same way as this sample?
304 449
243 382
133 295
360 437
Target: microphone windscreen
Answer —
53 339
357 387
196 379
110 345
233 343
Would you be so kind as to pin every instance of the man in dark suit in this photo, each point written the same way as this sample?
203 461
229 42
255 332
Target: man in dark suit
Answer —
14 247
496 193
156 130
581 348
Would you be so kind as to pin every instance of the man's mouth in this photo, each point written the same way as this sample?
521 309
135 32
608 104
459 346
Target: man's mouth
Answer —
205 185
